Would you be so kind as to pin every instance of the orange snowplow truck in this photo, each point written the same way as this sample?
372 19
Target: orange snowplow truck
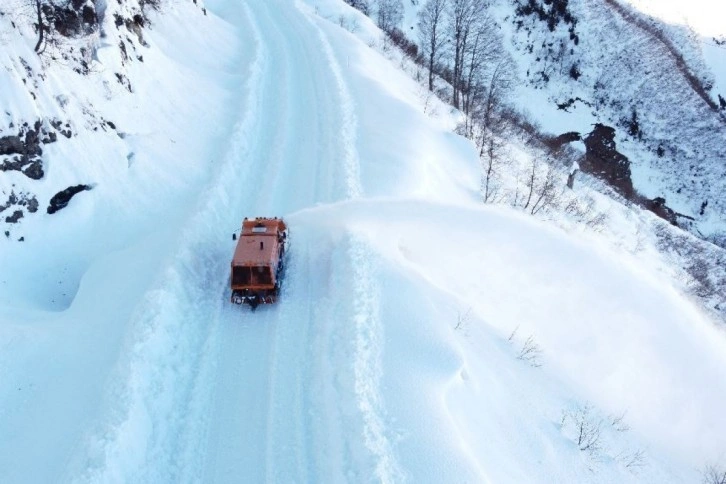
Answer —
257 263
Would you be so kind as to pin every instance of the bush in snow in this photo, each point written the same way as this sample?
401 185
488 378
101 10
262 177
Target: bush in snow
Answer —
713 474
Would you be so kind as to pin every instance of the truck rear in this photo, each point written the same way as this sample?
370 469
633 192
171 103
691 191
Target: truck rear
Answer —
258 261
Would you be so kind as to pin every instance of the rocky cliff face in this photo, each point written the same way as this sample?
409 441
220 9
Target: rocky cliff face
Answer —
603 63
68 64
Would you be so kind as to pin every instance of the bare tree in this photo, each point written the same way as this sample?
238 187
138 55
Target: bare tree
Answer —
531 180
713 474
40 25
487 127
546 191
41 12
481 51
361 5
515 197
587 429
389 14
541 192
430 20
500 82
633 459
461 19
530 352
491 156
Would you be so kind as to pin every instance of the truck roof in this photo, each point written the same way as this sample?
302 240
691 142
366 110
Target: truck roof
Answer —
263 226
259 243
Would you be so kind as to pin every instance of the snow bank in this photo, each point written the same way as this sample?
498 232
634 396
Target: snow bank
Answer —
609 333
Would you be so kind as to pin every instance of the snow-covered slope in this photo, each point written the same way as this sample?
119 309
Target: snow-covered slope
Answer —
657 84
124 145
421 336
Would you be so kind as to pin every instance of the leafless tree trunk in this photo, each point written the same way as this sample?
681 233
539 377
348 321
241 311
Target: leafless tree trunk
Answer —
588 429
531 183
389 14
515 198
430 20
714 475
41 26
461 19
500 83
547 191
490 154
489 171
481 51
571 179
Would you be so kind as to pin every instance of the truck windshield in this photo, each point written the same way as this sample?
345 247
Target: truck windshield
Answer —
251 275
241 275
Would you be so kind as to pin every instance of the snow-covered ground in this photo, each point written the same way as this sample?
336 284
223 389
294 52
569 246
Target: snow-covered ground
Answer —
421 336
703 16
629 66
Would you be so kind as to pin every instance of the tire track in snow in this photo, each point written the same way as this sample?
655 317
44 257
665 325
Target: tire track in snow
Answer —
187 335
161 413
353 186
290 438
367 363
266 362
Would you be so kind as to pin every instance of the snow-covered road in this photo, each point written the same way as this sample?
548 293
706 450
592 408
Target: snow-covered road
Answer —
236 393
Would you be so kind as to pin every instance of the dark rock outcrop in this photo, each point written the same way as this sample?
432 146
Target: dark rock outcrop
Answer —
22 200
31 167
13 219
558 142
22 151
658 206
10 145
76 18
603 160
60 200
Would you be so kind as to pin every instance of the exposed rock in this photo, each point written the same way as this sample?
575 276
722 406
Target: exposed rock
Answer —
10 145
32 204
658 206
77 17
31 167
565 106
558 141
60 200
703 207
22 151
603 160
23 200
13 219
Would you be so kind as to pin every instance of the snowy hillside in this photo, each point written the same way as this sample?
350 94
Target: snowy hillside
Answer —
421 335
649 80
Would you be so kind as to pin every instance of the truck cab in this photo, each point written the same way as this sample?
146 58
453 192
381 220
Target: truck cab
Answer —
258 261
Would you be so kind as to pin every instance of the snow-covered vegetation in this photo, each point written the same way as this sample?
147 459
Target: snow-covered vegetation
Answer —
467 299
573 82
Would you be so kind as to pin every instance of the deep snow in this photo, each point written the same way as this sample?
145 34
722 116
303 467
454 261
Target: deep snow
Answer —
146 373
